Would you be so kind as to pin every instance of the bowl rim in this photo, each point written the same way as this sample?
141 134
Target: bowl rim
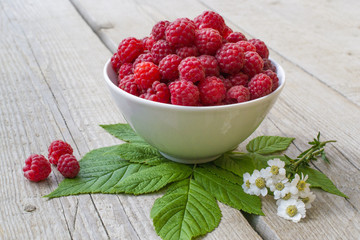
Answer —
279 71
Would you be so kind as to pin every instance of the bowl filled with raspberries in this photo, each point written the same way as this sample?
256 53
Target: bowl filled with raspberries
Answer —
194 89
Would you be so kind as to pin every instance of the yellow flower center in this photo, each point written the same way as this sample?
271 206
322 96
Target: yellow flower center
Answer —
291 210
305 200
301 185
274 170
279 186
260 182
247 183
287 196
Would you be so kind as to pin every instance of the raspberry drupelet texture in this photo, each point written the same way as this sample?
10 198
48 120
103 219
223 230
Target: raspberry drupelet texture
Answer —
260 85
168 67
184 93
128 85
268 65
36 168
212 91
237 94
191 69
185 52
210 65
158 31
58 148
239 79
159 92
231 58
247 46
160 49
144 57
145 74
68 166
235 37
115 62
180 33
261 47
274 78
227 31
210 19
124 70
148 42
129 49
208 41
253 64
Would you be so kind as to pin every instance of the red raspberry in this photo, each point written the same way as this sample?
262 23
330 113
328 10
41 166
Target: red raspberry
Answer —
145 74
115 62
227 83
210 65
168 67
145 57
261 48
159 92
128 85
253 63
129 49
36 168
160 49
180 33
212 91
148 42
237 94
124 70
239 79
191 69
158 31
208 41
185 52
247 46
230 58
260 85
58 148
68 166
268 65
226 32
236 37
210 19
184 93
274 78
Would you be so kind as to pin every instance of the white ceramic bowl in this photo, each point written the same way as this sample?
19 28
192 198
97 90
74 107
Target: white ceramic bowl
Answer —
192 134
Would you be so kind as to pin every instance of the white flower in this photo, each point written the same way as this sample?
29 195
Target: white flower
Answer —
258 182
292 209
276 168
279 187
308 199
246 185
302 186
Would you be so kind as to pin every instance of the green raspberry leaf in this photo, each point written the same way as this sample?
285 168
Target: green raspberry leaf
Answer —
319 180
268 144
185 211
154 178
141 153
226 192
123 132
222 173
100 171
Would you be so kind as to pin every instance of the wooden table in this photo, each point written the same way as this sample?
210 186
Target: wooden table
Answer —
52 55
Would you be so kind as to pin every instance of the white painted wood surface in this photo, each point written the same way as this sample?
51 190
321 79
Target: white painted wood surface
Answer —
51 58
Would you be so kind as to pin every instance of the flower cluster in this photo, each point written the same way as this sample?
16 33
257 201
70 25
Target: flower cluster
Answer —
293 197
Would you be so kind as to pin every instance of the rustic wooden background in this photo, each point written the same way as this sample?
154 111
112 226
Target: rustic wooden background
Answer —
51 58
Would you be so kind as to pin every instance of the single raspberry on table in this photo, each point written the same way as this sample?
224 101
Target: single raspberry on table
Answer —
128 85
145 74
207 41
268 65
148 42
159 92
210 65
58 148
253 64
237 94
124 70
160 49
180 33
144 57
185 52
36 168
247 46
158 31
261 47
191 69
129 49
260 85
115 62
184 93
239 79
274 78
235 37
68 166
231 58
168 67
212 91
210 19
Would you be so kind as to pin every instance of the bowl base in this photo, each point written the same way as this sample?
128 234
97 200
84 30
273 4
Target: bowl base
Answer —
190 161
